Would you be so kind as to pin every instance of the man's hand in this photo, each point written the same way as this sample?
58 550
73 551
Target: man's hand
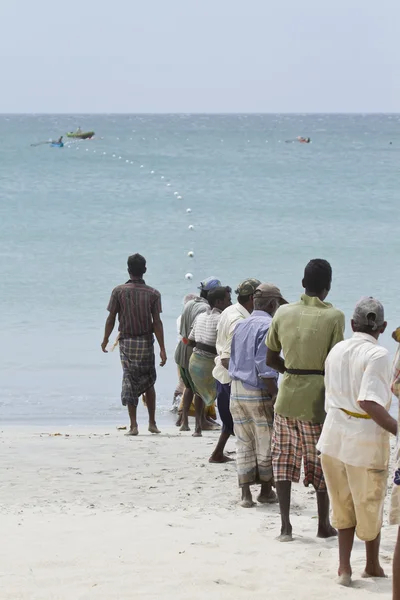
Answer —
104 346
163 356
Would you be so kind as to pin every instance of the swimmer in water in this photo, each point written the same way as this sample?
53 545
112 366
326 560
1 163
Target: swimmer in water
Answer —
304 140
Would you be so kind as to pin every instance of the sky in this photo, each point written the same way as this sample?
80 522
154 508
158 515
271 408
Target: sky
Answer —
207 56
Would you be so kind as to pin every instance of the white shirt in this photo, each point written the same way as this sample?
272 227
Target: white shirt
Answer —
226 326
357 369
204 330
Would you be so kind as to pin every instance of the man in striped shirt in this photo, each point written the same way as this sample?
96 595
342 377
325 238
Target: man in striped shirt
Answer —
204 337
138 307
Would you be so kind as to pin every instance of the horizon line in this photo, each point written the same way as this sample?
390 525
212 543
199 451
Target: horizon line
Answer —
194 113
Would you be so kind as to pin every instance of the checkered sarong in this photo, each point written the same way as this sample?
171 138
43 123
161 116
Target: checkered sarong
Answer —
292 441
138 366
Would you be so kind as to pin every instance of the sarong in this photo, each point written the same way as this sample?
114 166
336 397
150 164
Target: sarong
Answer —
253 417
394 517
200 369
138 366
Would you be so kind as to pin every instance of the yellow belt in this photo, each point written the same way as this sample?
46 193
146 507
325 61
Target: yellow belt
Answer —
356 415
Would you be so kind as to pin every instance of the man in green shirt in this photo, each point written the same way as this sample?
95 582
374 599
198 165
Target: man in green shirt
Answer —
305 331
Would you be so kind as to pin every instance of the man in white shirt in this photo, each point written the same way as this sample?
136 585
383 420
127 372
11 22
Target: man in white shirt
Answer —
225 328
354 443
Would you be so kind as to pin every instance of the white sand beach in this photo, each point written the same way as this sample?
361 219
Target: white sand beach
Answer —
97 515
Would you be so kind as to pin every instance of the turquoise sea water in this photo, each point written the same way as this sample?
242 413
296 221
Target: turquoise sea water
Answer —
260 207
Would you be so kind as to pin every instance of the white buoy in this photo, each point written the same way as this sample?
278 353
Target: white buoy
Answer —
131 162
104 152
190 254
119 157
127 161
168 185
87 149
162 177
179 197
152 172
188 276
141 166
191 227
114 156
188 210
176 194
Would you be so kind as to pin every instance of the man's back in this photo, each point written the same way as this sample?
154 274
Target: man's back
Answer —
136 304
305 331
356 370
191 310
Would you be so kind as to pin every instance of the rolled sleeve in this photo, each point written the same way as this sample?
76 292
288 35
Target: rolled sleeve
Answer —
261 356
375 384
114 305
272 340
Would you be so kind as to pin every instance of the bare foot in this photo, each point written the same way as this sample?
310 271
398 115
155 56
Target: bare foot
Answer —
270 498
247 503
344 579
154 429
179 421
326 531
197 434
207 426
285 537
133 431
220 459
184 428
373 572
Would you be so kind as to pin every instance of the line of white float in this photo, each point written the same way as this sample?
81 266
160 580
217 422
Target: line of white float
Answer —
178 196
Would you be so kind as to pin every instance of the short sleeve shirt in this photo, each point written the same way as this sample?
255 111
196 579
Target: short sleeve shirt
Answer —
357 369
305 331
137 306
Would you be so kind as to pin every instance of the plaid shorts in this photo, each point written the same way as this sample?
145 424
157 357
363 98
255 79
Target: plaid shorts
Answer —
292 441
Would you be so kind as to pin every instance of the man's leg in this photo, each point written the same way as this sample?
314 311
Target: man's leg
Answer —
151 407
313 474
373 567
284 491
286 463
223 400
325 529
346 540
199 409
396 569
218 455
187 402
132 410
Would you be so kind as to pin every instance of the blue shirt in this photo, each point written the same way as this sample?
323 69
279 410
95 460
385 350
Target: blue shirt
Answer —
249 352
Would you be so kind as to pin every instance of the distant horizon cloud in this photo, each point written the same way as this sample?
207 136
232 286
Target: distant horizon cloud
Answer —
209 58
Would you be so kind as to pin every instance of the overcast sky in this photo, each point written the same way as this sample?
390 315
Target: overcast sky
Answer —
199 56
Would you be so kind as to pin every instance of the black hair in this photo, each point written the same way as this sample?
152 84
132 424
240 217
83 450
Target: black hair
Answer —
244 299
204 294
317 276
136 265
217 293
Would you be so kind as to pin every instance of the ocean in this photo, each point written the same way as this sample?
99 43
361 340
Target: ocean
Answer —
260 207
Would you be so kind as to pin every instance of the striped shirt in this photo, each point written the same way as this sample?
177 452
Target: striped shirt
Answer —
205 330
137 306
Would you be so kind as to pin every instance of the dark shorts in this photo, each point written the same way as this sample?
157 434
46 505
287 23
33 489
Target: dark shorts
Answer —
223 403
187 380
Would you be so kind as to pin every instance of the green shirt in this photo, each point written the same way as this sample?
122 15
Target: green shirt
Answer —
305 331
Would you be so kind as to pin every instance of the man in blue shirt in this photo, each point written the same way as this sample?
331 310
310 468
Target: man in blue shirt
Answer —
253 393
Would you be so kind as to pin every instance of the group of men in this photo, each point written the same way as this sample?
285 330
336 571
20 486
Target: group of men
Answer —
330 411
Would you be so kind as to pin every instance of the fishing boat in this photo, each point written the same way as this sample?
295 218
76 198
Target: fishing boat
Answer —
84 135
57 144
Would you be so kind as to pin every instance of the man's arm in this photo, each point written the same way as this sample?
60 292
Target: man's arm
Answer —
268 375
113 308
380 415
110 324
275 361
159 333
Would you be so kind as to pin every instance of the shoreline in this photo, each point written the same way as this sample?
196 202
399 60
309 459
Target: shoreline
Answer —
96 515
